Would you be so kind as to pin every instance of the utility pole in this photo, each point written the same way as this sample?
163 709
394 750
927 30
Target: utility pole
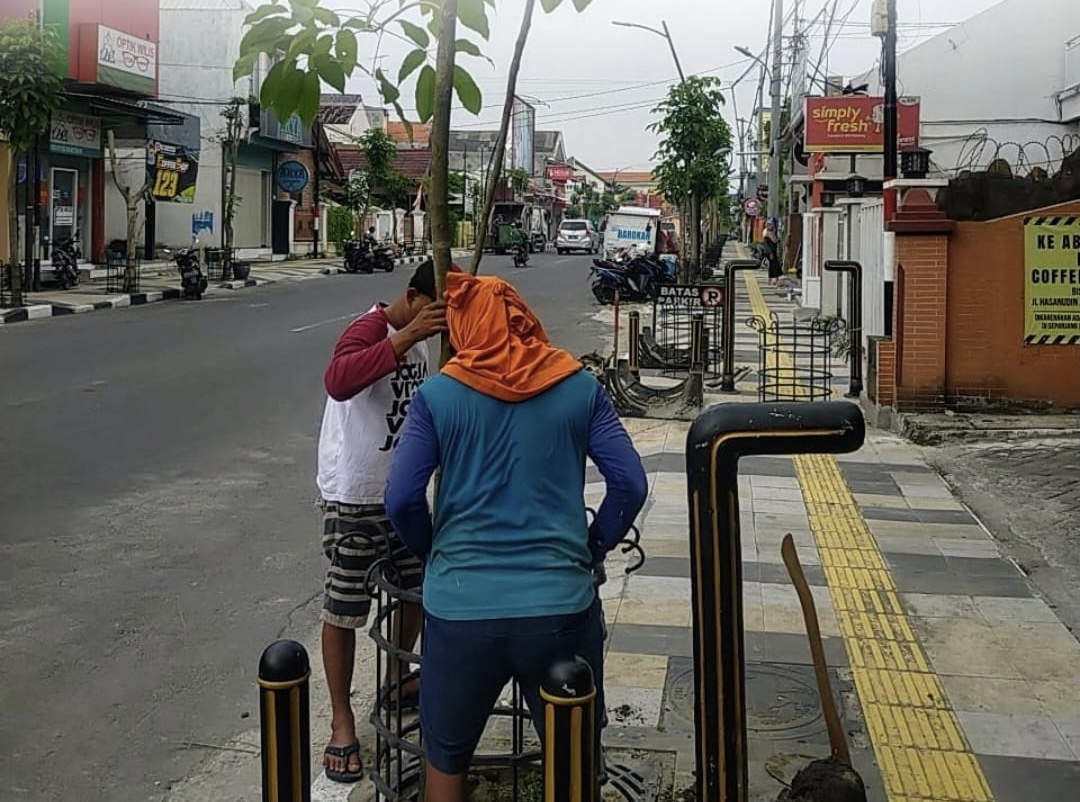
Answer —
775 115
889 156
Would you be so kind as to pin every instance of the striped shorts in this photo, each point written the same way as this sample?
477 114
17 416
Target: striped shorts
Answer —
353 538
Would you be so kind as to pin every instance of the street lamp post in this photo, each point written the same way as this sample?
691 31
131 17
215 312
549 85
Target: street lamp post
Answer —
665 33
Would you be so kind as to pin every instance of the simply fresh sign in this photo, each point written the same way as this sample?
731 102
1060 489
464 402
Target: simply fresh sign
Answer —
856 124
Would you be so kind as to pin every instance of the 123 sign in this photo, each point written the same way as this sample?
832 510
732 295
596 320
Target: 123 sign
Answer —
171 172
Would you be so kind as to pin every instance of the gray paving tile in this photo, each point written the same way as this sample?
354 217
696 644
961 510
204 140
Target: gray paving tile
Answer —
904 564
918 516
994 608
956 584
883 488
781 647
651 639
1014 735
930 605
1018 779
980 567
776 573
902 544
666 566
767 466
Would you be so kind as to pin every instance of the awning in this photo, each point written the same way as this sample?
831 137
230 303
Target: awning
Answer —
139 110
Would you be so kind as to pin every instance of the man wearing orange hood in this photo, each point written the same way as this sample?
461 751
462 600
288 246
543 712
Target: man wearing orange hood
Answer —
508 586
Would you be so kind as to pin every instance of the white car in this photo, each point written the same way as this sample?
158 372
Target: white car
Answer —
576 235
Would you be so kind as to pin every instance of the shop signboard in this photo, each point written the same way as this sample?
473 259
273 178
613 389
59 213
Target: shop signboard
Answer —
292 177
856 124
1052 280
126 61
75 135
171 172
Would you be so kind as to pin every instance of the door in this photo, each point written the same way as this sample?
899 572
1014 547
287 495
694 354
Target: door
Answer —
63 200
279 227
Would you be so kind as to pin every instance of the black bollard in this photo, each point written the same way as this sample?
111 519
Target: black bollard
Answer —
717 440
727 328
284 671
634 355
855 383
569 696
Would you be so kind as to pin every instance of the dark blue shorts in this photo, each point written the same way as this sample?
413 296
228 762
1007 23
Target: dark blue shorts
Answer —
468 663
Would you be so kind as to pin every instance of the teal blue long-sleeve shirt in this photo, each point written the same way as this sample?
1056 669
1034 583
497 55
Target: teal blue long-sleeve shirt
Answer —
510 537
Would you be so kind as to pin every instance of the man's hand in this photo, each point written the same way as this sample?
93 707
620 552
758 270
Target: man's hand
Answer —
430 321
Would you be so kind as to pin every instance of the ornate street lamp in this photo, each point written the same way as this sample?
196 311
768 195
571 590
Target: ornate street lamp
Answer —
855 185
915 162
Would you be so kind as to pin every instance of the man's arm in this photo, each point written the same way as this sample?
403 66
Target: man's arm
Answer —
415 460
611 449
362 356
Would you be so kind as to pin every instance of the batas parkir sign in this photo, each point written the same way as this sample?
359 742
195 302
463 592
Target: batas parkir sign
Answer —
856 124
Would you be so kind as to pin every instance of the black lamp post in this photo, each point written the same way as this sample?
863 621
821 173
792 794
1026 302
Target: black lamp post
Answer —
915 162
828 199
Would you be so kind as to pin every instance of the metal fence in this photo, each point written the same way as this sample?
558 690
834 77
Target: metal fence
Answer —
795 358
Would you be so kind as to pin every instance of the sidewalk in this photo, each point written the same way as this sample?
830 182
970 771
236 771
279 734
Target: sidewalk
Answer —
957 683
160 283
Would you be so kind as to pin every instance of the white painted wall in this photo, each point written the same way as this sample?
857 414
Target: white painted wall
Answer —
199 43
1000 72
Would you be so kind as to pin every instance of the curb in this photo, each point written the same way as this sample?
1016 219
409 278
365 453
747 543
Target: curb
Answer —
25 313
238 284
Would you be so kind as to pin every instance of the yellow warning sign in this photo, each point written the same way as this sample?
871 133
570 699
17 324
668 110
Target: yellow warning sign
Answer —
1052 280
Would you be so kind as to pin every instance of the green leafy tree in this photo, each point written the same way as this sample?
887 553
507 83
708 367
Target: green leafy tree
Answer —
692 129
379 152
310 45
356 197
398 190
31 89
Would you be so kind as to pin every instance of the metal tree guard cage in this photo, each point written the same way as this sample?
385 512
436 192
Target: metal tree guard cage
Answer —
671 333
795 359
398 765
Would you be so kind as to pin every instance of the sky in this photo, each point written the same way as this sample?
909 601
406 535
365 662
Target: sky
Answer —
598 82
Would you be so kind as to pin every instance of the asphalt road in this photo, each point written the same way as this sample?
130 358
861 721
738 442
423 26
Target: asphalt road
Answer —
158 524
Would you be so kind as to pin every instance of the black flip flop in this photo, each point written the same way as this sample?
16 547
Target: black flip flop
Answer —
344 752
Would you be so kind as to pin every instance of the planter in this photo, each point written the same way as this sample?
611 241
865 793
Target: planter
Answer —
241 270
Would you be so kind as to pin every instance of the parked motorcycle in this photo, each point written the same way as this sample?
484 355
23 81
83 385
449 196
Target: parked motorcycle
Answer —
65 261
636 279
193 282
366 256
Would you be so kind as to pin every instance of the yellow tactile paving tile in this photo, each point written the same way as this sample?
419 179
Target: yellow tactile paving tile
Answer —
920 746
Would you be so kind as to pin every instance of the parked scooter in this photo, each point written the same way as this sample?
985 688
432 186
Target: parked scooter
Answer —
65 261
357 256
637 279
193 282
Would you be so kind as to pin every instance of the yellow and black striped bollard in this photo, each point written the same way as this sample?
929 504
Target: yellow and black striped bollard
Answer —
284 671
569 696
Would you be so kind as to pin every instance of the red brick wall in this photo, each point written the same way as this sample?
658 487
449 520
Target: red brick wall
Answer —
987 360
304 212
920 321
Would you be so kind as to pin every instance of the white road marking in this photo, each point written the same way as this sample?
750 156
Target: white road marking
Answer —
323 323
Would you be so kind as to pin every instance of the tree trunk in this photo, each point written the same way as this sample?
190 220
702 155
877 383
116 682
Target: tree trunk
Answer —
230 205
439 201
500 143
130 268
12 267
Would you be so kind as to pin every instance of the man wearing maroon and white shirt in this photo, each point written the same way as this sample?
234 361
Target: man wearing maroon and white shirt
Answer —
378 364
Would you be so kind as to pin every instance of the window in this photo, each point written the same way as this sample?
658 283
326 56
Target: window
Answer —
573 225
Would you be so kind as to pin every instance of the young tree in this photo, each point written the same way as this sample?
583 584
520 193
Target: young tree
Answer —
132 199
230 142
312 45
398 191
357 198
692 130
379 151
31 89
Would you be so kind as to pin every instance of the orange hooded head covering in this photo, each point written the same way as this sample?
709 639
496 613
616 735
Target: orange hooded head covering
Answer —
501 348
